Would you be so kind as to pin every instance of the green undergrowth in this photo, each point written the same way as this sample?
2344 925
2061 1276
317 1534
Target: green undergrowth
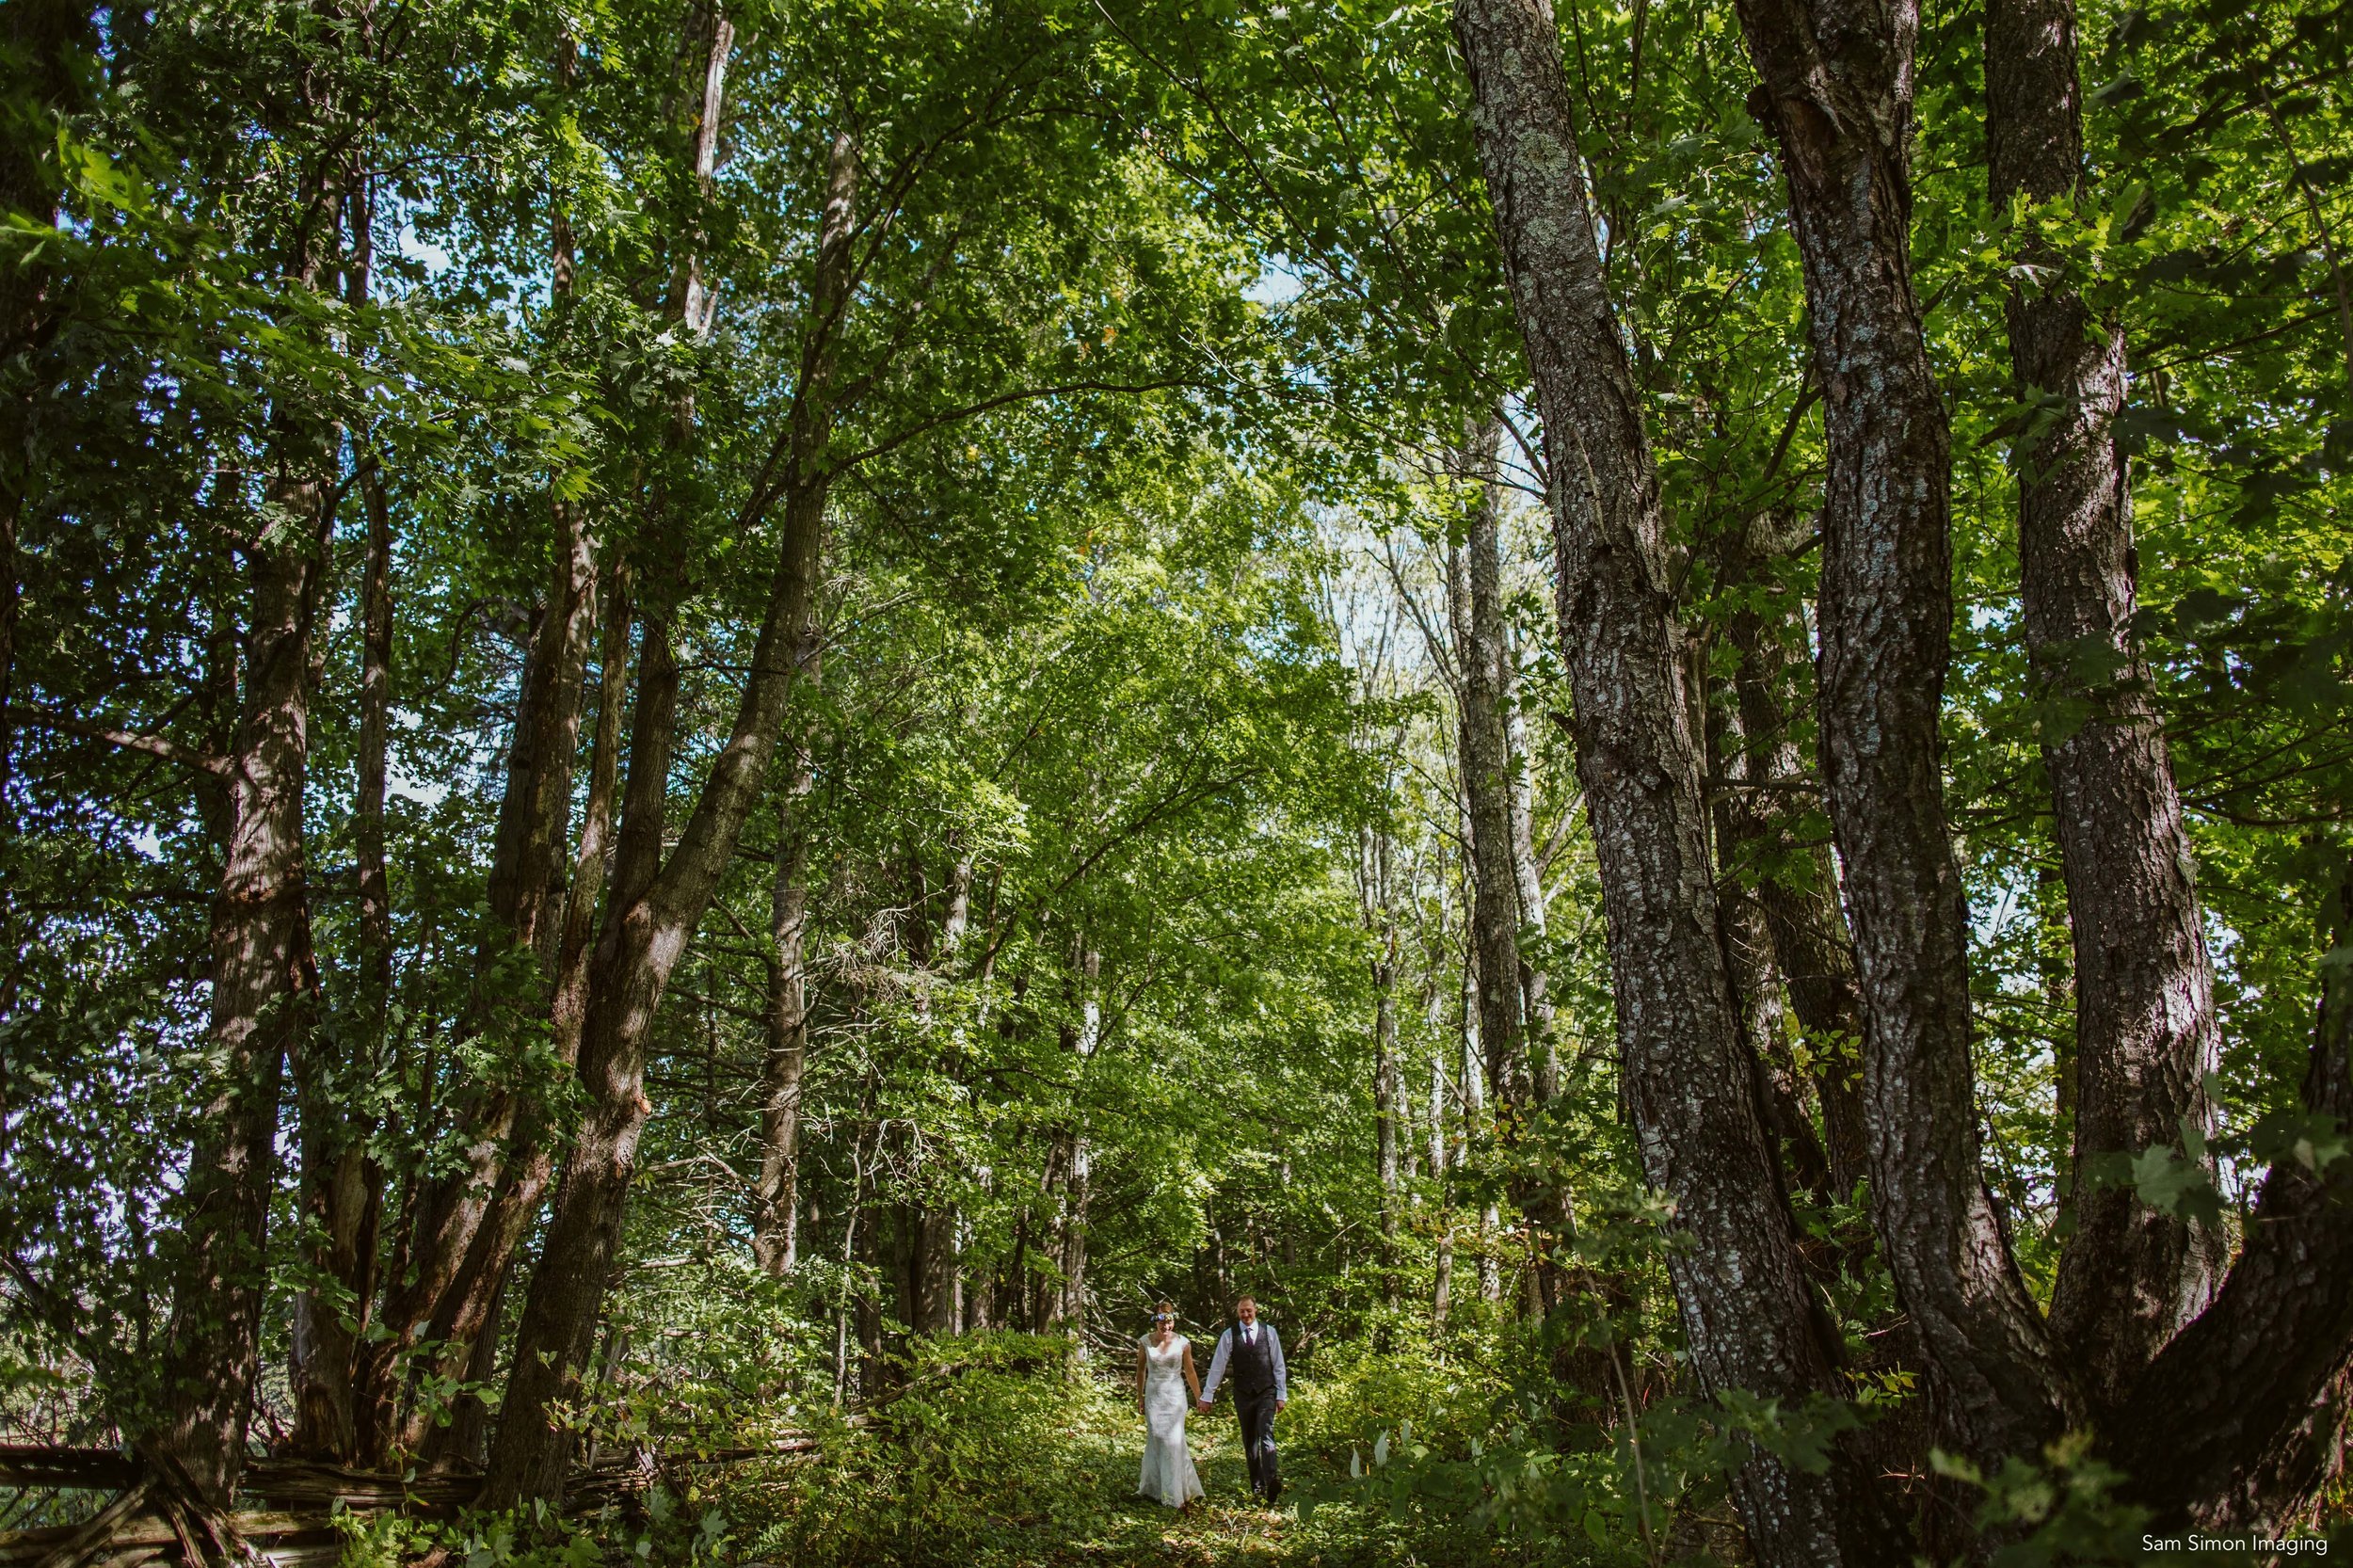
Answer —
1004 1457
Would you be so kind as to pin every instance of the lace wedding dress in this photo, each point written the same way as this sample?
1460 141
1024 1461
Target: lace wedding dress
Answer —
1168 1472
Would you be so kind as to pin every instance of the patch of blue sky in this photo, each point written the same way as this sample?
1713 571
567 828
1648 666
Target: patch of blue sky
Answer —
1279 281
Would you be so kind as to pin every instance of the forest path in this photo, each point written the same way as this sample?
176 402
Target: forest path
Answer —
1078 1504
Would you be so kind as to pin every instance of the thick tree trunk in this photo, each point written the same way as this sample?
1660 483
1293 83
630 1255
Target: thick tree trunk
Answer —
1836 90
265 990
2233 1424
458 1252
2129 1276
1750 1318
936 1266
644 936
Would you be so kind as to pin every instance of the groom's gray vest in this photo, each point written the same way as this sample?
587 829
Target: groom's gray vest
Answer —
1254 1365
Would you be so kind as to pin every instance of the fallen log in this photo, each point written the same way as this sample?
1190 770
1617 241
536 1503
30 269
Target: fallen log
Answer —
149 1521
41 1464
141 1534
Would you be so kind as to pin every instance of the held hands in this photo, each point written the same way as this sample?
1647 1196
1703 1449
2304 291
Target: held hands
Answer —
1279 1404
1203 1406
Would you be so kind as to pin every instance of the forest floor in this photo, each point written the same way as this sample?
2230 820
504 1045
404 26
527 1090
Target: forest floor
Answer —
1041 1473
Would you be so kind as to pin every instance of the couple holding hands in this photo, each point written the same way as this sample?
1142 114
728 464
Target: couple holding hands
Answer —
1164 1371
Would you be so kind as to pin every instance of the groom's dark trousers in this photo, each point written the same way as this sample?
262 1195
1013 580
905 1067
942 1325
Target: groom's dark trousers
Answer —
1258 1442
1254 1401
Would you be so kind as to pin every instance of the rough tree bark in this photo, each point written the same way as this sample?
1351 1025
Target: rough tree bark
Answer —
2145 1031
1836 90
644 935
1746 1307
2233 1425
265 982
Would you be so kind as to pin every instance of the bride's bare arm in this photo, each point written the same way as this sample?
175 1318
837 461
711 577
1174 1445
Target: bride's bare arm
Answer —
1191 1377
1140 1375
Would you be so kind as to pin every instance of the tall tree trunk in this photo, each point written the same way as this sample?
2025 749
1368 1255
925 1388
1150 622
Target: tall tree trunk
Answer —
1536 1008
264 985
597 848
644 936
1797 886
1514 1010
1836 90
1749 1316
2232 1427
936 1266
2129 1276
1473 1069
1078 1178
773 1216
1474 601
1442 1280
1756 980
342 1187
1388 1076
468 1222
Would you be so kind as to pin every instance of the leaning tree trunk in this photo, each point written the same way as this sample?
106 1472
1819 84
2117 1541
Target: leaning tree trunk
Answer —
1746 1310
1797 886
1836 90
644 933
264 990
1747 936
2238 1420
467 1224
2129 1276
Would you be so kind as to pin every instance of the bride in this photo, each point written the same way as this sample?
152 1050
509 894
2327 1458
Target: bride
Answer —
1160 1359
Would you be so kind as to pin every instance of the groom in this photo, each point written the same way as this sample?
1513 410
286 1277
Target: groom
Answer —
1261 1389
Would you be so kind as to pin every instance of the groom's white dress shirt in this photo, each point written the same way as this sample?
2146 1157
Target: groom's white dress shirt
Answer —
1225 1349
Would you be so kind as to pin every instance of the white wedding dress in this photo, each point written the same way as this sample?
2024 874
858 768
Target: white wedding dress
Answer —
1168 1472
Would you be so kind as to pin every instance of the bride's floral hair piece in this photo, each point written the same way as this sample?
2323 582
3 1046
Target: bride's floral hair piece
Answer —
1164 1313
